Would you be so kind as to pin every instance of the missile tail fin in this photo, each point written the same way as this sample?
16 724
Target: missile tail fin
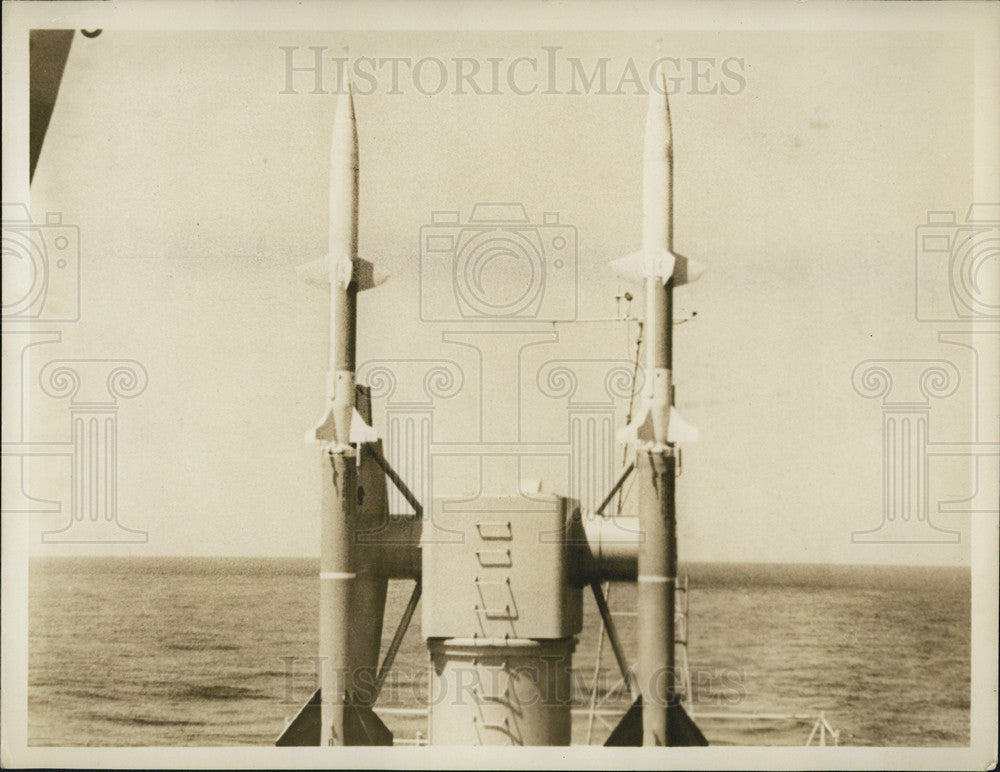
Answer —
326 430
641 428
361 726
682 729
639 431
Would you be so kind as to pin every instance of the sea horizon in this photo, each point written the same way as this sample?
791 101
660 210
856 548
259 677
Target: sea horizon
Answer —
200 650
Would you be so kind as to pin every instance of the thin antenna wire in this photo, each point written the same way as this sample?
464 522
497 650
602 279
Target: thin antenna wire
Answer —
631 404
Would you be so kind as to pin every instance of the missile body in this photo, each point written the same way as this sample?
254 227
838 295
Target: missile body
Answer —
662 270
658 426
657 244
343 251
339 515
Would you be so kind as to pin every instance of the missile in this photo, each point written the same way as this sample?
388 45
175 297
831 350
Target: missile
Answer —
343 576
344 274
656 428
662 269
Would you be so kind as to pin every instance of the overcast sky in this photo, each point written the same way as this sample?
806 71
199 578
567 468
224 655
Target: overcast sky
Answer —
198 186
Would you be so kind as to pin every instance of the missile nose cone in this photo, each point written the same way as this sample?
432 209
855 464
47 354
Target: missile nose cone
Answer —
658 111
657 152
345 96
344 124
343 228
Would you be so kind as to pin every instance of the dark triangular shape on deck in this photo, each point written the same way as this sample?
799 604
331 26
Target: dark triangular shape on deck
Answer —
682 730
361 726
304 728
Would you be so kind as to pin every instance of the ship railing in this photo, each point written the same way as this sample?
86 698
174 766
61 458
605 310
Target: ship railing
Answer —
823 729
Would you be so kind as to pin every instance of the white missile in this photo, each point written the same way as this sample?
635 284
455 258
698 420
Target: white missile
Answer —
662 269
341 429
345 274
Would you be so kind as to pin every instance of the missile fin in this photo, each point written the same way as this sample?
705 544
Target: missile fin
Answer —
634 266
687 270
641 428
639 431
666 264
360 430
681 730
679 430
326 429
362 726
365 274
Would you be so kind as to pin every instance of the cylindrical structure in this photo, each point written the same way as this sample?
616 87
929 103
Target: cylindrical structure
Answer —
336 578
500 612
657 172
370 585
343 251
657 560
614 545
394 547
657 572
339 514
497 691
658 242
343 237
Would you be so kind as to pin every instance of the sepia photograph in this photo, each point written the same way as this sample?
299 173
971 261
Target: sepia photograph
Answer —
505 384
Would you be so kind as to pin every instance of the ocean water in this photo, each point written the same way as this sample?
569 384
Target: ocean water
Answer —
206 651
